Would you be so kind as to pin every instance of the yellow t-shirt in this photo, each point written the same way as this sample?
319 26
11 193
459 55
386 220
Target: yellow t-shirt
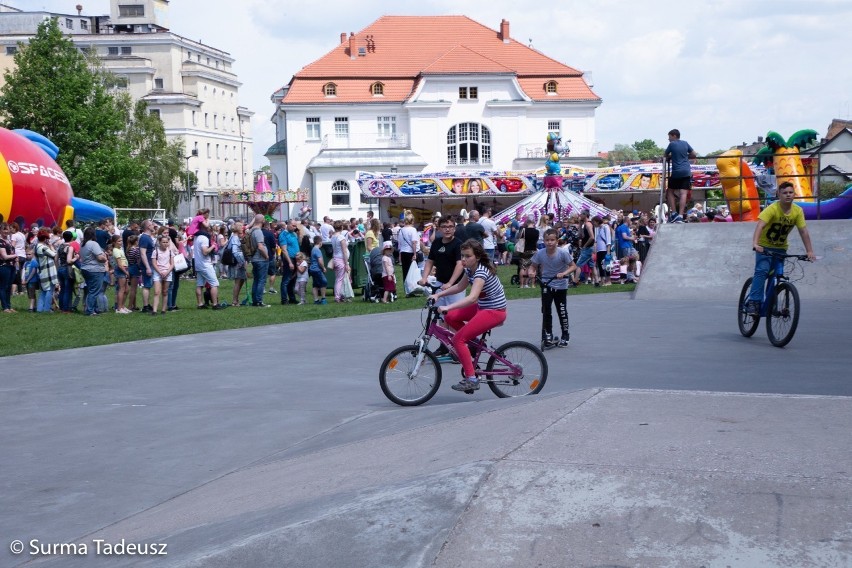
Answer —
120 257
779 225
370 241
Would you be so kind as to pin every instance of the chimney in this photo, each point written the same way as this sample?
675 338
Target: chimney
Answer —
79 9
760 139
342 38
504 30
353 54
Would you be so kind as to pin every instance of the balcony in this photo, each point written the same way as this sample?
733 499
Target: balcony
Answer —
540 150
364 141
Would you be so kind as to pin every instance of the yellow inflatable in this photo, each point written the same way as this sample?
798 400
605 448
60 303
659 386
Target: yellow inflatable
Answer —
787 162
738 183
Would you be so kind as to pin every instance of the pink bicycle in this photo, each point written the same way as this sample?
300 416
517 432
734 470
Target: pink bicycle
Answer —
411 374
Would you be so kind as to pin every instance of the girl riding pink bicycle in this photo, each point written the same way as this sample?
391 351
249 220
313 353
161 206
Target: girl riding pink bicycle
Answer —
484 308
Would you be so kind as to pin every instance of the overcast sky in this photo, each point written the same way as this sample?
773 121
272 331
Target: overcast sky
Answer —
723 71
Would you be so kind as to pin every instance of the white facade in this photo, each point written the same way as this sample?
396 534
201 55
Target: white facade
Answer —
517 131
190 85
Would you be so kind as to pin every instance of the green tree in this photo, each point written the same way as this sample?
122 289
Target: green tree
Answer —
161 161
57 91
831 189
619 154
647 149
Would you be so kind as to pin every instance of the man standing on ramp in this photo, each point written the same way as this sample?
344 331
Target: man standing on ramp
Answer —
678 152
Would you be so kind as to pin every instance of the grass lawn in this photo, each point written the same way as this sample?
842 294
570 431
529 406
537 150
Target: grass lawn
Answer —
26 332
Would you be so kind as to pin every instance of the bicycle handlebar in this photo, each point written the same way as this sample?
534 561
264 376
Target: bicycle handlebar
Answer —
783 256
541 281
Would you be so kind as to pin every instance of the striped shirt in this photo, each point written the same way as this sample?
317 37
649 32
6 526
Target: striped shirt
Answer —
133 256
492 296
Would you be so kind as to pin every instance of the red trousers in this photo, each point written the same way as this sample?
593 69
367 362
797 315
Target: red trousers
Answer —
468 323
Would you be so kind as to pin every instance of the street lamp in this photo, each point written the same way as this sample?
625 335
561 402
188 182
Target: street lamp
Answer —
194 154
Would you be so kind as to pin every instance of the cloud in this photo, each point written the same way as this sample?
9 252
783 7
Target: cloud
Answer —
723 71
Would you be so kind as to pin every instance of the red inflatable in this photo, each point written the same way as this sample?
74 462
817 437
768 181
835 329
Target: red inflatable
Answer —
34 189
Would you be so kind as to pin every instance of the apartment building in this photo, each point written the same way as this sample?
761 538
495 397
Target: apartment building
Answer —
424 94
188 84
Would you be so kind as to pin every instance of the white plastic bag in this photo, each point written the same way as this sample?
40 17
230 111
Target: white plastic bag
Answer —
348 293
411 279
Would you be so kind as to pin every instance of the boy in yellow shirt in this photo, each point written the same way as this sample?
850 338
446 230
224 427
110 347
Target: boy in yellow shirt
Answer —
770 236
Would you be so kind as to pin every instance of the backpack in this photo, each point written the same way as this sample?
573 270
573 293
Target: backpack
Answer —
249 246
62 256
228 257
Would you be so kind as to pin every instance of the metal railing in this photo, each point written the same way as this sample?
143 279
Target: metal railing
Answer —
814 176
539 150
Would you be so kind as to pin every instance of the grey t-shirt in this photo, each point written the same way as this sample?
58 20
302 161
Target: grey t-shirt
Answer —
257 235
89 253
551 265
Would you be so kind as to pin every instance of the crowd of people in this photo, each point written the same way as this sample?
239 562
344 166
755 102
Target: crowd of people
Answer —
70 270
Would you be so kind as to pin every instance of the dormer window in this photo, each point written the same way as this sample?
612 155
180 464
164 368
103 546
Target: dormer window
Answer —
330 90
378 89
550 87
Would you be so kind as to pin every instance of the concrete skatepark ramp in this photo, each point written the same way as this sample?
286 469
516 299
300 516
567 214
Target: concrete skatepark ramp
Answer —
710 261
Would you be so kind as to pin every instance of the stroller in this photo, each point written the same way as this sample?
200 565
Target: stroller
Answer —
374 290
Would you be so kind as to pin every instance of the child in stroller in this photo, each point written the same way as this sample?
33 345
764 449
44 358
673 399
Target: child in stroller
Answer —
374 289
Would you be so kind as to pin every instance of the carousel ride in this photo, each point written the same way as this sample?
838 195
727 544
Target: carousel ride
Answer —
265 200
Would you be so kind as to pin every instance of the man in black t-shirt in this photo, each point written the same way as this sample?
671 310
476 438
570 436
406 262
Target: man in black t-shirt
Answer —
445 256
132 229
271 242
474 229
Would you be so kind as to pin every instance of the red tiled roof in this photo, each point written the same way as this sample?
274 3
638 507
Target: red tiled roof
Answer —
349 90
462 59
399 49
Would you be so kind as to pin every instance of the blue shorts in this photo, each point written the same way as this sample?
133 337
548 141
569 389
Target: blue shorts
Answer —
133 271
586 255
629 252
145 280
318 278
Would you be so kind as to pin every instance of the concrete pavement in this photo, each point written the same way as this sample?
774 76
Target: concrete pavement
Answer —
662 438
608 477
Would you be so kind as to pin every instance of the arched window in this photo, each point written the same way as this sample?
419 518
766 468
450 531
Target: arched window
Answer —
468 143
340 193
378 89
330 90
550 87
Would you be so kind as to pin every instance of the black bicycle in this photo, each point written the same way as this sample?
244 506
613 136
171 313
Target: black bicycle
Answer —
780 304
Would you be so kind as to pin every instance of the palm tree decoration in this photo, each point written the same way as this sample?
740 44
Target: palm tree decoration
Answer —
786 160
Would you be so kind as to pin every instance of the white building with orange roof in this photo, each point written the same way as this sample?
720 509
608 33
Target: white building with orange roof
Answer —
424 93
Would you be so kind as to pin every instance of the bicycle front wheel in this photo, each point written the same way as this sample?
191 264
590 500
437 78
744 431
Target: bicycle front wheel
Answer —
747 322
401 384
525 373
782 317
